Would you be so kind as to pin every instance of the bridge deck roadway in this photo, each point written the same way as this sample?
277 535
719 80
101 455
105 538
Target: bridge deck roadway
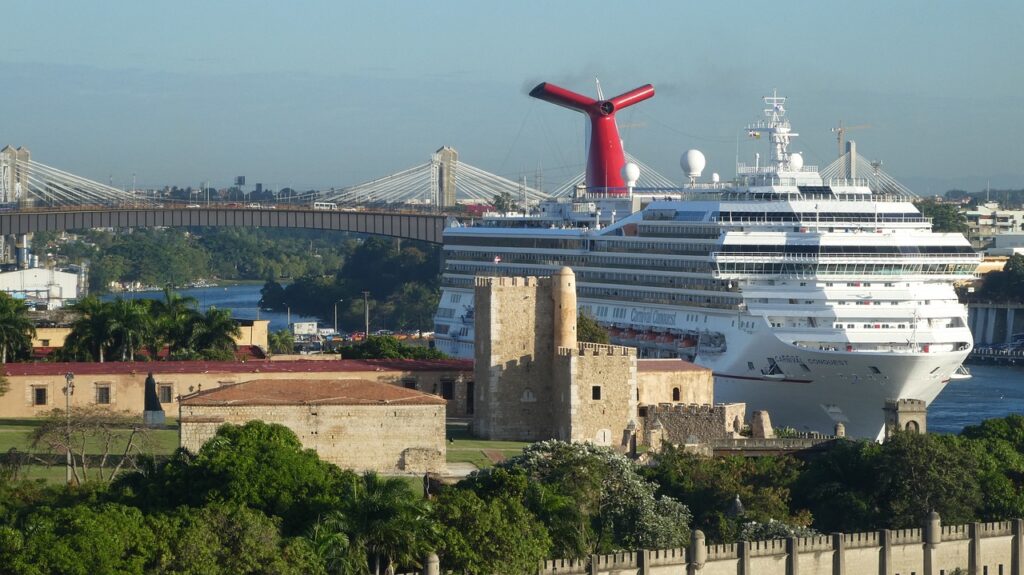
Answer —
413 226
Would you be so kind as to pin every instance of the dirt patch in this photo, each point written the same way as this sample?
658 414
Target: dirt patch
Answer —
494 456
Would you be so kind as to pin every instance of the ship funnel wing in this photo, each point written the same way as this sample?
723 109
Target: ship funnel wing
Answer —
605 158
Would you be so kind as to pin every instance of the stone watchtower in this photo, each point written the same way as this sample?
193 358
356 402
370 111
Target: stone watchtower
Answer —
534 380
905 415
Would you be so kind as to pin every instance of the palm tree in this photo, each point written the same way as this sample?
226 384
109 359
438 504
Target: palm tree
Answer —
214 333
330 542
16 330
388 523
129 324
92 333
174 317
281 341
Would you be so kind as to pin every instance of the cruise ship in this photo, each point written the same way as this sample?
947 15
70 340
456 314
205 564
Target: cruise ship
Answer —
814 299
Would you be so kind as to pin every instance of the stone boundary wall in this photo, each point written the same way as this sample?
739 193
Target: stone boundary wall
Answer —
976 548
678 423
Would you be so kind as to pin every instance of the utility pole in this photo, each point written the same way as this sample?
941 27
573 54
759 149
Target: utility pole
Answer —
69 390
366 309
336 316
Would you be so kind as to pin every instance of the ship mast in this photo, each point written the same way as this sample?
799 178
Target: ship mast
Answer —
777 127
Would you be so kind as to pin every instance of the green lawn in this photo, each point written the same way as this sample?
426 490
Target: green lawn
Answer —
14 433
464 448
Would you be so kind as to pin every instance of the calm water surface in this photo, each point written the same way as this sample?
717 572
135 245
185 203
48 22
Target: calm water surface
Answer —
242 300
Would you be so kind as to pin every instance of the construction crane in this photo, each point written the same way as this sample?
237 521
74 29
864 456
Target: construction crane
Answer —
840 132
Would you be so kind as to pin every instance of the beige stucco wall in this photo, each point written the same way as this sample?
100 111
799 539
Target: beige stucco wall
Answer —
695 386
50 336
381 438
126 389
256 334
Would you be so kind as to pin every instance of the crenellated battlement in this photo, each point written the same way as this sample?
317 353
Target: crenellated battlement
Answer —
596 349
511 281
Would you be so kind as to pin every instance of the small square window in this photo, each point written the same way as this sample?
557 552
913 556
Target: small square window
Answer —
103 395
595 392
409 383
166 393
38 396
44 342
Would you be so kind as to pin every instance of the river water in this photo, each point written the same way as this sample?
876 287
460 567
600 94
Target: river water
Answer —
994 391
243 301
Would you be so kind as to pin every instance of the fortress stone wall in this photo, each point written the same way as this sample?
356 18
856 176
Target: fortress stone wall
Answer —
601 386
977 549
534 380
682 424
392 439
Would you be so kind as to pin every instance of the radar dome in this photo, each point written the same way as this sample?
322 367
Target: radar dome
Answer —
631 173
714 178
692 163
796 162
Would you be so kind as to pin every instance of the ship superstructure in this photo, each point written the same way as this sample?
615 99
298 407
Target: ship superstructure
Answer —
815 299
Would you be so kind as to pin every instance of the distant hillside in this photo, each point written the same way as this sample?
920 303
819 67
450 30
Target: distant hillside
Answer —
1009 199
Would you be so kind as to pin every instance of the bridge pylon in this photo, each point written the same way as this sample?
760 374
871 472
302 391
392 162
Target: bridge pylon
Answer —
443 176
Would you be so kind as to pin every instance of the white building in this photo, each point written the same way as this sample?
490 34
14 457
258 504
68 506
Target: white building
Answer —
987 222
40 287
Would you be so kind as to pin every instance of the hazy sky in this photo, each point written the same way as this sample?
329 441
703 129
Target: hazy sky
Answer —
321 94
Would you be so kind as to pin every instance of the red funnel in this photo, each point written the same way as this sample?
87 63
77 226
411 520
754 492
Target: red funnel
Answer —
605 158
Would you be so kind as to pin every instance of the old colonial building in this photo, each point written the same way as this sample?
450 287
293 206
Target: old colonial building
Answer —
355 424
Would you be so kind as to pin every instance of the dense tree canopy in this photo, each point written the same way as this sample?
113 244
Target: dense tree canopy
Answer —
588 330
1006 285
945 217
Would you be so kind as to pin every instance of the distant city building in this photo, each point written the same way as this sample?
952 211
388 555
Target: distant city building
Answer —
987 221
1007 244
42 288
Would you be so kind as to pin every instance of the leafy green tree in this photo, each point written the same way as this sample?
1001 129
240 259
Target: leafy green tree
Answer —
1005 285
16 329
504 203
272 295
281 341
484 537
710 486
260 465
588 330
945 217
78 540
224 538
590 499
387 347
1009 429
755 531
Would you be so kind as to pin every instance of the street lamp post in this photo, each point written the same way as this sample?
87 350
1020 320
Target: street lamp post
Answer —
288 307
336 316
69 390
366 309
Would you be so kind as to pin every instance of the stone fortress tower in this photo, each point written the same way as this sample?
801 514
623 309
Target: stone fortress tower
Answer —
534 380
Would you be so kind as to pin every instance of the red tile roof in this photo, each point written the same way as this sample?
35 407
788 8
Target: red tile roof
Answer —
311 392
674 364
254 366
